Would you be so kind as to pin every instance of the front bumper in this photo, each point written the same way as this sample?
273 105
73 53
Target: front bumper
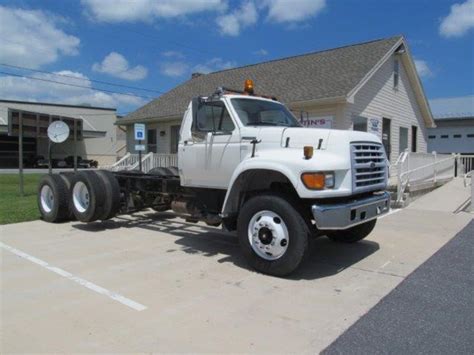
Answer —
352 213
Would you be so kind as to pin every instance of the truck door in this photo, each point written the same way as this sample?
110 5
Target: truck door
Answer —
212 153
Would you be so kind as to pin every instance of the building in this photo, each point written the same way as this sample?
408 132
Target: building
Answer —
370 86
454 132
452 135
98 132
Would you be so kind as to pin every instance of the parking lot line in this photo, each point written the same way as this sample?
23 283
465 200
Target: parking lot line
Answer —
392 211
91 286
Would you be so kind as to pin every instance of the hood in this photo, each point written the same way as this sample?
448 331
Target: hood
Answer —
301 136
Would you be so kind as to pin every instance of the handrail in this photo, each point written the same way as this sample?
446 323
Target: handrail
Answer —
121 160
468 177
402 157
144 159
425 166
404 172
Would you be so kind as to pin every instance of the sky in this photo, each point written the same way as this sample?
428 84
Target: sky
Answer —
147 47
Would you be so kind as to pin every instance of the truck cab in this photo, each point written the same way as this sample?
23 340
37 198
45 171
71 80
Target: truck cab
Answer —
249 146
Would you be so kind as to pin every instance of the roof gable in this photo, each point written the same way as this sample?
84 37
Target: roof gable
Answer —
313 76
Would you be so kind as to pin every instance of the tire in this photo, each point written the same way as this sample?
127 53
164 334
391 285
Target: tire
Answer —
53 199
277 220
69 179
354 234
174 170
88 197
112 194
160 171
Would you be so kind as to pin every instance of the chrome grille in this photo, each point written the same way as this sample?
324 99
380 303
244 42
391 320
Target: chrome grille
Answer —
369 166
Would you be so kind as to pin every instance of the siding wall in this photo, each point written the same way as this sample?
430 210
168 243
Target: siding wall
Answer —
378 99
163 143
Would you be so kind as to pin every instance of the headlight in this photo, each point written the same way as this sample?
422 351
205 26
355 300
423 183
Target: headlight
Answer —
318 181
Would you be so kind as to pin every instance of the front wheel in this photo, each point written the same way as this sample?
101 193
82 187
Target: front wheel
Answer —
272 234
353 234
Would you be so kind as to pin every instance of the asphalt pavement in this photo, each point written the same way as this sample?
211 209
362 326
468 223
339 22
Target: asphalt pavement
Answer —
430 312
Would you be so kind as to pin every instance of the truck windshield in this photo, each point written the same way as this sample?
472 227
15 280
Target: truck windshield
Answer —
263 113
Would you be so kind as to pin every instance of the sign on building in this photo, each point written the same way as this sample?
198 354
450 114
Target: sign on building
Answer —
374 126
139 129
317 121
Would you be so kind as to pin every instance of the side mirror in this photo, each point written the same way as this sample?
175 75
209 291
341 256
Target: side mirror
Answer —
196 104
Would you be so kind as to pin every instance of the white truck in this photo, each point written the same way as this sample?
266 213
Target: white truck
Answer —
245 162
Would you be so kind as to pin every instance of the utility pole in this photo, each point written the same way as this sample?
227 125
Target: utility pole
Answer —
20 152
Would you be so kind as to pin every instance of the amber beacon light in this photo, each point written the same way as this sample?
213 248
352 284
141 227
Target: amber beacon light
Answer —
308 151
248 87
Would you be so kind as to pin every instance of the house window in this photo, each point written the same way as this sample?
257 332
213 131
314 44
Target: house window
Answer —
457 136
470 136
444 136
396 73
403 142
387 136
174 139
360 124
431 137
151 143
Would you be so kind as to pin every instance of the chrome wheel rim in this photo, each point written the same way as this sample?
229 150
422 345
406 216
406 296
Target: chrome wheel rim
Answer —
80 197
47 198
268 235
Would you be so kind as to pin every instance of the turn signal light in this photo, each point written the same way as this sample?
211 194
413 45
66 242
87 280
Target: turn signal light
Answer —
314 181
248 88
308 151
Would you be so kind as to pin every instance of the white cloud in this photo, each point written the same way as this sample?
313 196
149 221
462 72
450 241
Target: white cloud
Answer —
293 11
459 21
147 10
172 54
174 69
116 65
213 65
16 88
232 23
32 38
422 68
261 52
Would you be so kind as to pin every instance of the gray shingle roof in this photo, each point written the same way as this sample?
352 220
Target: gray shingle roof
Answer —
319 75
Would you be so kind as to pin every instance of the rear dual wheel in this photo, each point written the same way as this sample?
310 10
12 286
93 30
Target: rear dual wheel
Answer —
95 195
162 171
53 199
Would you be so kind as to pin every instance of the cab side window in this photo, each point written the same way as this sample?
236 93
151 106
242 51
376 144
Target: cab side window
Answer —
213 117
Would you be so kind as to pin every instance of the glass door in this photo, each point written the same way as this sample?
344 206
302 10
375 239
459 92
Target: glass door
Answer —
151 142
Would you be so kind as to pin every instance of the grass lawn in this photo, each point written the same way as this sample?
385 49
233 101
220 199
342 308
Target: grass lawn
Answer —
13 208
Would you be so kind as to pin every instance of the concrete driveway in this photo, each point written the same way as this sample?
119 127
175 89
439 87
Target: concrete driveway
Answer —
153 283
